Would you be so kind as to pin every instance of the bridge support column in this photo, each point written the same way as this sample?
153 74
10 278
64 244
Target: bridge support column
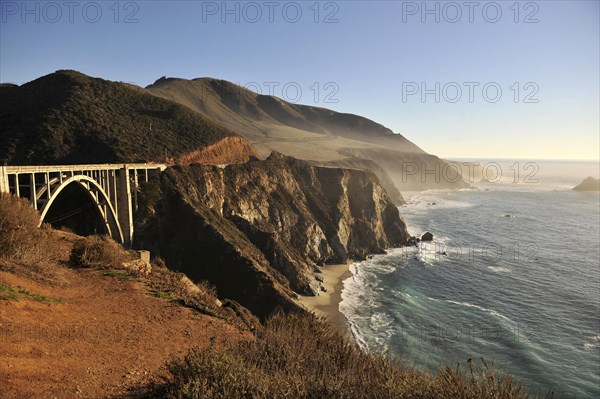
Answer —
124 204
4 188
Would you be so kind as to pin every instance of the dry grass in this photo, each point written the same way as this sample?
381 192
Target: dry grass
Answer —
21 240
201 296
99 252
299 356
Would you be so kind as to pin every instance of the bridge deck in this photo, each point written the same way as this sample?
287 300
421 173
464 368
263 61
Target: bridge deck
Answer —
69 168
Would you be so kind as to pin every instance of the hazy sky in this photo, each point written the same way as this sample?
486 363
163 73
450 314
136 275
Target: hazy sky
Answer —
460 79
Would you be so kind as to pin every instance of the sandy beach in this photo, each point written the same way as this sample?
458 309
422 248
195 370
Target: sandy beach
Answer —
327 303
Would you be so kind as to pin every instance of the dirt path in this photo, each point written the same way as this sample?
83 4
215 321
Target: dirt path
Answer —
105 338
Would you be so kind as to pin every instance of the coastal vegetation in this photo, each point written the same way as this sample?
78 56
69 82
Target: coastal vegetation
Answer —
300 356
293 355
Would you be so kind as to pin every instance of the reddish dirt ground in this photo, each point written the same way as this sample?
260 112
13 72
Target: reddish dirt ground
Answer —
105 339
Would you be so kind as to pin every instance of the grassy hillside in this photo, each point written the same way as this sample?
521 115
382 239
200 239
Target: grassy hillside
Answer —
265 119
67 117
307 132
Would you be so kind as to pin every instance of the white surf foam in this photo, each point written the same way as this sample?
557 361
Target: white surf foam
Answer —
359 294
470 305
498 269
593 343
431 199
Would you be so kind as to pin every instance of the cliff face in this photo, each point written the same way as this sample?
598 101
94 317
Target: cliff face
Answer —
258 230
382 175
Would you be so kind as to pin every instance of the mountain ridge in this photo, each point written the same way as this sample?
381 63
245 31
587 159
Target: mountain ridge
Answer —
267 108
308 132
68 117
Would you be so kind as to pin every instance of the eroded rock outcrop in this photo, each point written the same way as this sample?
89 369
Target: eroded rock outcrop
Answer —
257 230
232 149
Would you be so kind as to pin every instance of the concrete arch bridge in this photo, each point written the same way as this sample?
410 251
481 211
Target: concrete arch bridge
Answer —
110 191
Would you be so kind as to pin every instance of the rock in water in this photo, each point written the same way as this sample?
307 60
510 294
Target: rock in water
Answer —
413 241
427 237
589 184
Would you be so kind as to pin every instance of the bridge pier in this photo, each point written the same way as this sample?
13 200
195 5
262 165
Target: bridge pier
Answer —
124 204
112 187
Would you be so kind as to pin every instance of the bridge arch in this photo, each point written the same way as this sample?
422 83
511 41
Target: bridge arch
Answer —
100 199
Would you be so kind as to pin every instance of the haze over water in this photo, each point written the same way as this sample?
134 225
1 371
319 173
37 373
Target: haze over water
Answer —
512 276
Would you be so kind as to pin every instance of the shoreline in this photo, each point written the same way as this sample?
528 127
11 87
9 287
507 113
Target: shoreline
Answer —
327 303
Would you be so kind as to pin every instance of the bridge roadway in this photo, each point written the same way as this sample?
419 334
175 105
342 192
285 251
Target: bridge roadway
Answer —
112 188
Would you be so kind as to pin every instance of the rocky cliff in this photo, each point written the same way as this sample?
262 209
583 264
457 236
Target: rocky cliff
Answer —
259 231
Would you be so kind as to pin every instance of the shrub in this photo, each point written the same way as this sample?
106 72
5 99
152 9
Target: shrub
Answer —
99 252
300 356
21 240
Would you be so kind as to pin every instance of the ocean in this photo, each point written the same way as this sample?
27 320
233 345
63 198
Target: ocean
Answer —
512 277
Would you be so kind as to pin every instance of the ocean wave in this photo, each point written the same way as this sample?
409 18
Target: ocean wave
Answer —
380 321
431 253
509 186
426 253
470 305
357 336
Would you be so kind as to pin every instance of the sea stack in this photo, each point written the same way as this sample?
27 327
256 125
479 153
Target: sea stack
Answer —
589 184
